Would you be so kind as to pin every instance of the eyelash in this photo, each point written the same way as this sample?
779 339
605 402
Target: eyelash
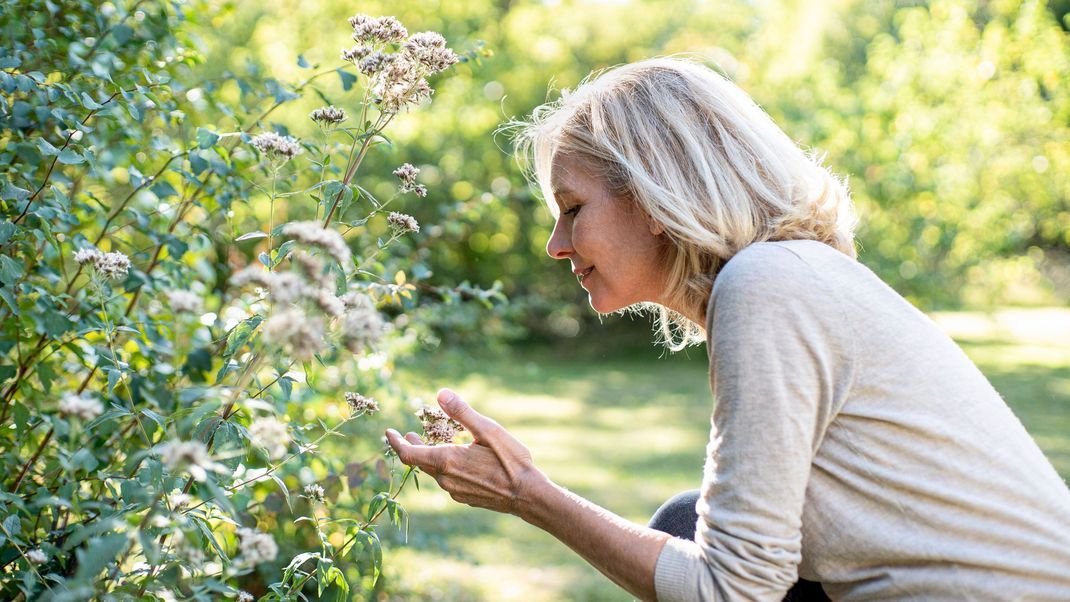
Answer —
572 211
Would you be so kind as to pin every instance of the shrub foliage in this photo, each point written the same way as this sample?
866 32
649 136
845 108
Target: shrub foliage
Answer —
174 292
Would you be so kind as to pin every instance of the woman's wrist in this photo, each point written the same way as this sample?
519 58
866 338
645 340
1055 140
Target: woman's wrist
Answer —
532 495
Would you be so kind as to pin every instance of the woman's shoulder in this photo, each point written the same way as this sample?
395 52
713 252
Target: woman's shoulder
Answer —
777 263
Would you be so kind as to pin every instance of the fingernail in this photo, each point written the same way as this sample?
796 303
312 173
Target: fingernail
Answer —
446 396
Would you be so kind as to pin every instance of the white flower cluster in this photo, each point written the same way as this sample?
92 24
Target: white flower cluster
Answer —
407 174
244 596
177 499
314 493
184 301
81 406
429 49
368 29
313 269
328 116
257 547
36 556
314 234
189 454
438 426
297 331
362 324
279 149
359 404
285 288
292 327
402 223
114 265
183 549
270 434
398 78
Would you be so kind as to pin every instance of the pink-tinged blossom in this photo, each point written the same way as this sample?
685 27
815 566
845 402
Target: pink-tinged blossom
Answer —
402 223
271 435
192 455
314 234
293 329
257 547
278 149
438 426
328 116
429 49
314 493
360 404
362 325
80 406
356 53
184 301
384 30
87 255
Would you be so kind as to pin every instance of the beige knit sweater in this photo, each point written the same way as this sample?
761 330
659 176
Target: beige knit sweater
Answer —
854 444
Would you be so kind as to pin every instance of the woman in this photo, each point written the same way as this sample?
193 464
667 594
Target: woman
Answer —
853 444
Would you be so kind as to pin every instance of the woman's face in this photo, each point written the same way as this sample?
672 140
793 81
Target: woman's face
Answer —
614 249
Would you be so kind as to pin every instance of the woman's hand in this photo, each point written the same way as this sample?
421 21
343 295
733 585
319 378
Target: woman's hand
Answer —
495 471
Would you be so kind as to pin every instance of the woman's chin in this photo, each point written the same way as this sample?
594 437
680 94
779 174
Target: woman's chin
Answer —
603 305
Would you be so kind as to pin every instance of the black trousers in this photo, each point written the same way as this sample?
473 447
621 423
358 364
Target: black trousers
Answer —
677 517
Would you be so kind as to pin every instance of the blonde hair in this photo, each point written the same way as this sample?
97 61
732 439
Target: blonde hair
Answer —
702 159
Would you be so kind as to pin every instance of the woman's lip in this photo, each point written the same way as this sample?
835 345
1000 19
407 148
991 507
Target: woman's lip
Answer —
584 273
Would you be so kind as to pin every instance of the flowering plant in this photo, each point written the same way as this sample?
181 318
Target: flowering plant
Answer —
152 439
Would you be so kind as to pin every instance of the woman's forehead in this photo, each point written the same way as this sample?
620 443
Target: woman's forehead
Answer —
567 174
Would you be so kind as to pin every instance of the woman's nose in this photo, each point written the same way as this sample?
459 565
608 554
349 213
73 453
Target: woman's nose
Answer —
560 244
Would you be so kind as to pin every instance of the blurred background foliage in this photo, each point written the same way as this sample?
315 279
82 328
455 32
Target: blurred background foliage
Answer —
951 120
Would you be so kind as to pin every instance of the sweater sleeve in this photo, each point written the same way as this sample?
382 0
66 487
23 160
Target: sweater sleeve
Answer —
780 367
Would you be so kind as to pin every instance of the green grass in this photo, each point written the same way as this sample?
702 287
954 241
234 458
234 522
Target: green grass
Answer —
627 430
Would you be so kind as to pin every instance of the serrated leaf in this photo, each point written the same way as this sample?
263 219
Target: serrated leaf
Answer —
241 333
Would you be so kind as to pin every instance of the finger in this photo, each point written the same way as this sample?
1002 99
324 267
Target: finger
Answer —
414 439
426 457
482 428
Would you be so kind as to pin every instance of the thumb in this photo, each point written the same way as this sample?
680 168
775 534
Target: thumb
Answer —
479 425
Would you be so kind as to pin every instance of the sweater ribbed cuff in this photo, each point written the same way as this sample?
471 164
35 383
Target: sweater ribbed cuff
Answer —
677 560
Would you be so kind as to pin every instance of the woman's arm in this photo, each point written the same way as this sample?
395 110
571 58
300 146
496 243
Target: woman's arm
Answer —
496 472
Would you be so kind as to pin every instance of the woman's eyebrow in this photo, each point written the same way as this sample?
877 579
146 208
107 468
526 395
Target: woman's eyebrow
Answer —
559 192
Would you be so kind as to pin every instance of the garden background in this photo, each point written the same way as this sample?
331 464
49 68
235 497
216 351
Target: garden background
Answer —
950 119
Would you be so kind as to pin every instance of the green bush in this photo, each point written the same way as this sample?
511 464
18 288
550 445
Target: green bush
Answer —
184 303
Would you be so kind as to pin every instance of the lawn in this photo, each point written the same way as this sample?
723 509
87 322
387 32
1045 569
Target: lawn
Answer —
627 430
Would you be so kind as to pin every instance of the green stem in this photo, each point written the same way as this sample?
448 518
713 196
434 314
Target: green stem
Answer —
271 214
405 479
115 361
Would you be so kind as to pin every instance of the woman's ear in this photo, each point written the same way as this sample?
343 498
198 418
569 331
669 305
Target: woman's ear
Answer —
655 226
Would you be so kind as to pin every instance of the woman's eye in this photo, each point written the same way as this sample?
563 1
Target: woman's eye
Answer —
572 211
